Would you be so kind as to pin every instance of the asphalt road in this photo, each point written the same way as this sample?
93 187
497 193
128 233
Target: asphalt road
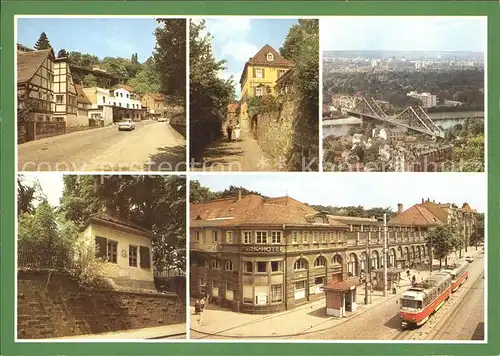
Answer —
152 146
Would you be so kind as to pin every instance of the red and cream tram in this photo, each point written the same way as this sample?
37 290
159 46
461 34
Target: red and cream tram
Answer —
420 301
459 274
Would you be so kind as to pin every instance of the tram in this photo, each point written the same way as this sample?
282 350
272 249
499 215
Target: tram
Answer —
459 274
423 299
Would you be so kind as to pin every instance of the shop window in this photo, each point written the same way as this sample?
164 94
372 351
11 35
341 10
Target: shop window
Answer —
276 293
229 291
300 285
247 294
261 267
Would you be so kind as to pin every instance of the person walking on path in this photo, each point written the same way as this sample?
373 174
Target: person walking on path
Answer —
229 131
237 131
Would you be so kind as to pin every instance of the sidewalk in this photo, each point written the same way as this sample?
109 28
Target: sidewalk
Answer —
175 331
307 318
236 156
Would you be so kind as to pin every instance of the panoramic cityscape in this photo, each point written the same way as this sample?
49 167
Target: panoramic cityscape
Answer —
408 105
379 267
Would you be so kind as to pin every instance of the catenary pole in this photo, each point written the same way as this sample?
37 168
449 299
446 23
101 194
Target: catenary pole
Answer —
385 255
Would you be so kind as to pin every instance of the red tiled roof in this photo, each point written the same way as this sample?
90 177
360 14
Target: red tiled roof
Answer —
29 62
126 87
260 58
231 108
155 96
111 218
343 285
254 209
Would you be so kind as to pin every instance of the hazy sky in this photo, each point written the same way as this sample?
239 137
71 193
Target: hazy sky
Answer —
99 36
236 39
51 183
404 33
366 189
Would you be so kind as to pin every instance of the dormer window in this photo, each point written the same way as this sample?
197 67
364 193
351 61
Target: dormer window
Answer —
270 57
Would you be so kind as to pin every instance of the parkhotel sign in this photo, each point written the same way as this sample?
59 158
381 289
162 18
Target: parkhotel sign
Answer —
269 249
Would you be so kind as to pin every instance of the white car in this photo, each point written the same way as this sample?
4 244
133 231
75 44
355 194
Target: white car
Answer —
469 259
162 119
126 124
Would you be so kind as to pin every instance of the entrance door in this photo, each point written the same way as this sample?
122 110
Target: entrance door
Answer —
348 301
300 289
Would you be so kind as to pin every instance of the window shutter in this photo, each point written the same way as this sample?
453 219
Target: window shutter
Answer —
145 258
100 246
254 74
263 72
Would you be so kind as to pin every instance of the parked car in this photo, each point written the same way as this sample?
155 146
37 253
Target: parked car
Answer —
126 124
469 259
162 119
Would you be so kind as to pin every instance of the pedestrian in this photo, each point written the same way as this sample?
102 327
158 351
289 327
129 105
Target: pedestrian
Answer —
202 304
197 307
229 131
413 280
237 131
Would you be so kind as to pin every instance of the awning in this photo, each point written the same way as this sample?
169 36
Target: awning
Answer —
341 286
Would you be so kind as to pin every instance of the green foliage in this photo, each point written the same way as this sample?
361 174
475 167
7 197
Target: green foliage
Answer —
392 86
170 59
444 240
43 42
356 211
83 60
147 80
62 53
157 203
209 94
302 47
469 157
199 193
264 104
25 197
90 80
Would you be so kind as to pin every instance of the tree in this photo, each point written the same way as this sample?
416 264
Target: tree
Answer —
62 53
156 203
25 197
301 46
43 42
199 193
147 79
444 239
470 156
170 59
209 94
90 80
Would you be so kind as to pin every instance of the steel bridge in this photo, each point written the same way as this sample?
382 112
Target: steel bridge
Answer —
411 118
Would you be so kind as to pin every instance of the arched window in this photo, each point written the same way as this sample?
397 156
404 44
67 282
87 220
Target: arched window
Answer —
300 264
229 265
320 262
337 259
270 57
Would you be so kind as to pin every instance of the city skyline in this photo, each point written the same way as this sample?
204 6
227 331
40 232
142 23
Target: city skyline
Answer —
344 189
404 33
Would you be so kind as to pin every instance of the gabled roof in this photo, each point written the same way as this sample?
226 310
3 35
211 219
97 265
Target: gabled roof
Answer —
80 95
418 215
255 210
126 87
260 58
108 218
29 62
155 96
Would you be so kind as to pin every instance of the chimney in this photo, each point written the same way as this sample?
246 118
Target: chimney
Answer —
423 200
239 194
400 208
